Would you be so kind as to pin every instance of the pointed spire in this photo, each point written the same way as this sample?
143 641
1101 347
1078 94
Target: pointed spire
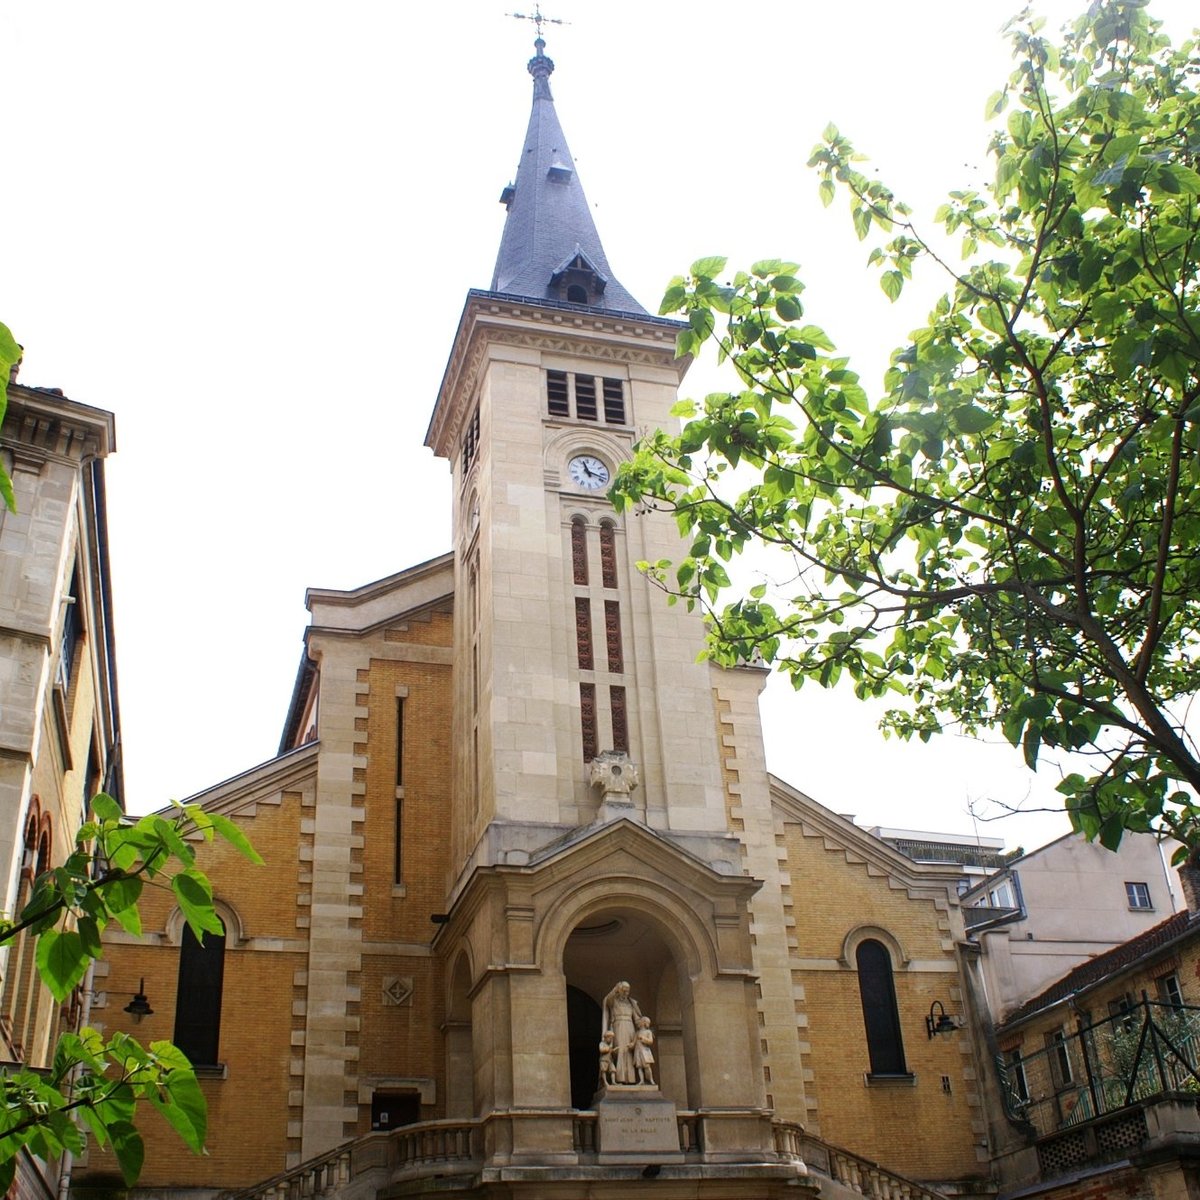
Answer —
550 248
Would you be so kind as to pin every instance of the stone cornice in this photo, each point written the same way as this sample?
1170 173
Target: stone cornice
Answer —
41 425
490 318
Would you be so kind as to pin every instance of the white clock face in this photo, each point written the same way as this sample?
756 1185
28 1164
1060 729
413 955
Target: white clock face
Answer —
588 472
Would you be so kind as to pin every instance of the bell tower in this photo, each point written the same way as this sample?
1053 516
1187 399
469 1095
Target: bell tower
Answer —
564 655
591 835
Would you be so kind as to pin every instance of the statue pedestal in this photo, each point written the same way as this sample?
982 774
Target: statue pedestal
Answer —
636 1124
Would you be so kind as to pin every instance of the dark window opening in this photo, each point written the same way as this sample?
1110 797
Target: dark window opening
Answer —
585 397
1169 991
558 402
1060 1059
612 636
390 1110
470 442
583 633
398 876
1016 1076
399 741
877 989
608 555
579 568
583 1019
577 294
620 719
72 630
587 720
614 402
198 999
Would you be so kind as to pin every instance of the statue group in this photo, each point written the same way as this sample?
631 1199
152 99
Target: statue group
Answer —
626 1041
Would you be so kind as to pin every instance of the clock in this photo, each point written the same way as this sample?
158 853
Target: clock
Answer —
588 472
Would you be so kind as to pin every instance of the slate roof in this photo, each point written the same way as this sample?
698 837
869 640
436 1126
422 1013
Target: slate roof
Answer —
1110 963
549 221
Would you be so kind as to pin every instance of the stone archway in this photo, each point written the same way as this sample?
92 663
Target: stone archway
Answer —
621 943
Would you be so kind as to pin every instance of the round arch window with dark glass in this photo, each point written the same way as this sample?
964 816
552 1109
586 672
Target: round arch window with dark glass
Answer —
877 989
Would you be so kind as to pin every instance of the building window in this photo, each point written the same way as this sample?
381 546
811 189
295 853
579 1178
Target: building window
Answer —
399 741
877 990
558 396
608 555
612 635
1169 991
583 633
579 567
470 443
1017 1082
198 998
585 397
1138 895
398 871
1060 1058
72 631
614 402
620 719
587 720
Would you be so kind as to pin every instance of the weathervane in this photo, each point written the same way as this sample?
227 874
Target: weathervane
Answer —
538 18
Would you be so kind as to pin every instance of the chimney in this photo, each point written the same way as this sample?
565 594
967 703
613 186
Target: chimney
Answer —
1189 882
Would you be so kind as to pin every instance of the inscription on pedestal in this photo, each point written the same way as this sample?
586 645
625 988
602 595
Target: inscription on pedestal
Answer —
636 1126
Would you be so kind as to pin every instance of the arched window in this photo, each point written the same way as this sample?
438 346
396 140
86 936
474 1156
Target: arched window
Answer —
198 999
876 987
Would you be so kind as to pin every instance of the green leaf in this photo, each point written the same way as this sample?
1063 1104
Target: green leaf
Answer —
194 894
708 268
105 808
128 1147
892 283
235 837
182 1103
61 961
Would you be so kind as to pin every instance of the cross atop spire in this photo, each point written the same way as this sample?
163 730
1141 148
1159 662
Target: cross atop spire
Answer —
539 19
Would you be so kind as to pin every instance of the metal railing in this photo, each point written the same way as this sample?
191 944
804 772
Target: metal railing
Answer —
1147 1050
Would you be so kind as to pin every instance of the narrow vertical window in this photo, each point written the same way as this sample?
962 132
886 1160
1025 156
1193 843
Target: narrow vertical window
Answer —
558 403
612 636
1017 1082
470 442
1060 1058
587 720
72 630
579 568
620 719
608 555
398 873
614 402
399 741
877 990
585 397
198 999
583 633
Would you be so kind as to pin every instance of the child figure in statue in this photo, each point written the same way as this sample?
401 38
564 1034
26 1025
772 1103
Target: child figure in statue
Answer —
608 1068
643 1055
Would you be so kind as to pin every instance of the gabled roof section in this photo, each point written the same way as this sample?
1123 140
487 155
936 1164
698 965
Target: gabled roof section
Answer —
549 224
1109 964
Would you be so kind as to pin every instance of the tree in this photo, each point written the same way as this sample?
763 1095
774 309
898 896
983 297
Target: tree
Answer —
1008 535
10 355
96 1080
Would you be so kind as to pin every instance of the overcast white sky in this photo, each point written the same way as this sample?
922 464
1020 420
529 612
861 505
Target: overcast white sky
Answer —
247 227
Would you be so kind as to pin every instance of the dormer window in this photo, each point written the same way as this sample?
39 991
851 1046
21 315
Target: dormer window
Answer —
559 173
577 281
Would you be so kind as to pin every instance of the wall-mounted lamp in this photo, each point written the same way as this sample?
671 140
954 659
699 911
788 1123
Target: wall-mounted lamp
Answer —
139 1006
939 1020
440 918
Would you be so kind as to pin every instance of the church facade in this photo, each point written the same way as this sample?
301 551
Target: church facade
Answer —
506 789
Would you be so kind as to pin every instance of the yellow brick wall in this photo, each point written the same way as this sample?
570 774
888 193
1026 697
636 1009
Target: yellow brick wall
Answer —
261 1008
392 913
918 1129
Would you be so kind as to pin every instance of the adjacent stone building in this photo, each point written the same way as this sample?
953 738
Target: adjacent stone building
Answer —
506 785
59 721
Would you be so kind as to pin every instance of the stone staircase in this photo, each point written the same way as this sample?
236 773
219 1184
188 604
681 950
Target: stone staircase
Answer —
358 1169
